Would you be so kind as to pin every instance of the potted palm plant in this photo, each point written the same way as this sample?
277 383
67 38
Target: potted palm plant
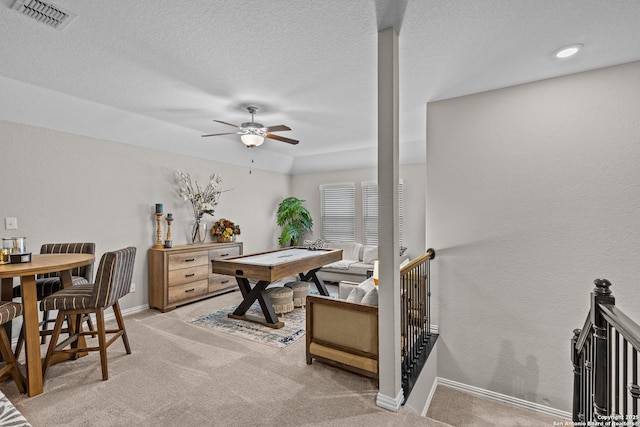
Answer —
294 219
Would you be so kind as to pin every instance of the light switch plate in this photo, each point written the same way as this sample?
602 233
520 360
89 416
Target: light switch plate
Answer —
11 223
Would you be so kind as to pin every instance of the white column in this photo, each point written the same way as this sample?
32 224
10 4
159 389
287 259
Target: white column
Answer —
390 394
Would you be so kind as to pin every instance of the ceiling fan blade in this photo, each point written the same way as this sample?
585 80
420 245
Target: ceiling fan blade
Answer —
218 134
282 138
276 128
228 124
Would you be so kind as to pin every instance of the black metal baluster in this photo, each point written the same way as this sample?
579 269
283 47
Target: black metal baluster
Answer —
634 367
617 373
625 369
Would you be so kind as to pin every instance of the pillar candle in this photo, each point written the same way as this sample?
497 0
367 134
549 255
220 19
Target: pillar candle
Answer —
158 207
169 216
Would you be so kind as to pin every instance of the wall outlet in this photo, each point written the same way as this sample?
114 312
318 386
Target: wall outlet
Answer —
133 287
11 223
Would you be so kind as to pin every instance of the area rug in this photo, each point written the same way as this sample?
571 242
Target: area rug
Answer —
293 329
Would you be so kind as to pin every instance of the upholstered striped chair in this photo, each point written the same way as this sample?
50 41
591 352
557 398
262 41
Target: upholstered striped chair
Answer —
47 284
8 312
113 281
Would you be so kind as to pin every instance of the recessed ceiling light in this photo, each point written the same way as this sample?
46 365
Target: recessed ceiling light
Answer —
568 51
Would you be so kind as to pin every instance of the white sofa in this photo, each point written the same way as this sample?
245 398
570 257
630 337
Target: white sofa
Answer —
356 264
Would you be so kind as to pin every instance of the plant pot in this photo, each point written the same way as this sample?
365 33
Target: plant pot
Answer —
222 239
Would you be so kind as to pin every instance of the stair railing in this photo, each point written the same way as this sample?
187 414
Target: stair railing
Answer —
415 313
604 353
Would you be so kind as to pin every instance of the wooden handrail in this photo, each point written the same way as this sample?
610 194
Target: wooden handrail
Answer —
428 255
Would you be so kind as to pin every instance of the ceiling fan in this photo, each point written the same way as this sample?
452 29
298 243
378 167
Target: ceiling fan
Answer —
253 134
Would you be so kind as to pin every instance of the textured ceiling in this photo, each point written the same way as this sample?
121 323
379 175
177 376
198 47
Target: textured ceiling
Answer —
155 73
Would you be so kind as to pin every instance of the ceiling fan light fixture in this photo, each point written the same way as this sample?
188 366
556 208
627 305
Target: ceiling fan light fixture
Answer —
252 140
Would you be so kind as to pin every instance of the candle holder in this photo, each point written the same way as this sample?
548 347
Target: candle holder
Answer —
158 244
168 243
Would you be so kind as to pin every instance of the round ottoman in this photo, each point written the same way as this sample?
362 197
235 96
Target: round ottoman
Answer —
281 299
300 292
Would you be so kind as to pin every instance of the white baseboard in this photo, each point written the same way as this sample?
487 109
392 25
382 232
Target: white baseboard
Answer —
128 311
430 398
109 315
390 403
504 398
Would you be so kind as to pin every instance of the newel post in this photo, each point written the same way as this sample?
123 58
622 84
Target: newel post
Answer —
601 295
577 375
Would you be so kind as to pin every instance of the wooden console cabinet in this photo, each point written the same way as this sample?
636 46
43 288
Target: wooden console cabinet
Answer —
182 274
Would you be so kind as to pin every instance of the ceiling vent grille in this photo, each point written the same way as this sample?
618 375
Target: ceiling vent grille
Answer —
44 12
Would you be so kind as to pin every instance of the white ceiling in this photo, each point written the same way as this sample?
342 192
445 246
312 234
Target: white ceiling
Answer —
155 73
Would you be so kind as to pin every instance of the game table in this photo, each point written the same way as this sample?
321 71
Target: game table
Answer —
266 267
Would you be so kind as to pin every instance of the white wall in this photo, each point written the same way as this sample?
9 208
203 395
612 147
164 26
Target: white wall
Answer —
307 187
65 188
532 194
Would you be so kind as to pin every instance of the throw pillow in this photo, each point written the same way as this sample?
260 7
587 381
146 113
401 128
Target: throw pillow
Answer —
355 251
370 254
371 298
350 250
356 294
367 284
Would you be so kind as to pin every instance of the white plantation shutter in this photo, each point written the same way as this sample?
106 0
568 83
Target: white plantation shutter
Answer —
338 212
370 212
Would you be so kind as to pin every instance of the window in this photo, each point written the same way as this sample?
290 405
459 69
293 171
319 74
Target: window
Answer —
338 212
370 213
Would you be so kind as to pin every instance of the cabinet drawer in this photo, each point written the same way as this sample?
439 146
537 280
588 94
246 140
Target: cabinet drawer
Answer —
219 282
187 259
187 290
224 252
186 275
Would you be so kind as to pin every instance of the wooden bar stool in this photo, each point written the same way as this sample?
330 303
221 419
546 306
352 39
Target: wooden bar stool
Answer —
8 312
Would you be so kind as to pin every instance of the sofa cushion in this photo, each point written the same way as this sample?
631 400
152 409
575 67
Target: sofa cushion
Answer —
369 254
360 268
371 297
350 250
341 265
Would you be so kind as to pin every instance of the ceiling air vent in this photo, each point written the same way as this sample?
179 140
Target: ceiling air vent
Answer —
44 12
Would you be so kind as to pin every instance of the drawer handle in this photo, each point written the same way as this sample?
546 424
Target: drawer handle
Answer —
224 255
189 290
189 260
190 275
224 281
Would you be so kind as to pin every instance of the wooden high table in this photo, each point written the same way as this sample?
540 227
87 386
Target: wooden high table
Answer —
265 267
40 264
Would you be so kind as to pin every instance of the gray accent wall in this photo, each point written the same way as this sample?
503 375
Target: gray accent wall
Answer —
533 192
69 188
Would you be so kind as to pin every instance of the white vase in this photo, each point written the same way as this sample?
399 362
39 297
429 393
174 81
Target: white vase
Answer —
198 230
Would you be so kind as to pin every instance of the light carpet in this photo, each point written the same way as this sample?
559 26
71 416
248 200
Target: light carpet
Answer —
183 375
293 329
